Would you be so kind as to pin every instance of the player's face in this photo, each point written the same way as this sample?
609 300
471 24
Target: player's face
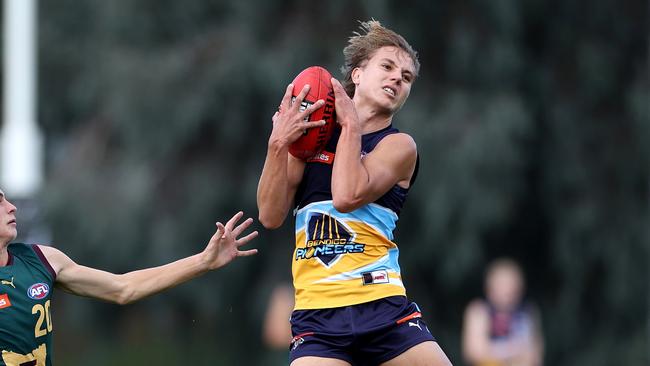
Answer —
8 229
504 288
386 78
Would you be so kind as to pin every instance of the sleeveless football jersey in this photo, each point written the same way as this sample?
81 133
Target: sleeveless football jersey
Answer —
26 284
515 324
340 258
508 327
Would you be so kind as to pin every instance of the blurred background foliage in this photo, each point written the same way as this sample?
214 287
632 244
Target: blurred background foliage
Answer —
531 119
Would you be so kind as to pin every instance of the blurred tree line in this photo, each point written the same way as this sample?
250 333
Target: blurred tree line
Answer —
532 124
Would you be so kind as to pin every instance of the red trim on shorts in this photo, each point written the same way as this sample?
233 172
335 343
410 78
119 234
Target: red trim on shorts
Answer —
301 335
417 314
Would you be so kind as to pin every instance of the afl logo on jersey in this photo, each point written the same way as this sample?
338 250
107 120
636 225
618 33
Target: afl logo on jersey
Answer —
38 291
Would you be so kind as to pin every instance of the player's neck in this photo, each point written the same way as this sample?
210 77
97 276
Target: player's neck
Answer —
372 119
4 256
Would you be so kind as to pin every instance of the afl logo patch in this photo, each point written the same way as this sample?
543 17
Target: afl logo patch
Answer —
38 291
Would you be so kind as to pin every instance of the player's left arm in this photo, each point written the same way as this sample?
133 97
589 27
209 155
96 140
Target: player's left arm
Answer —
357 180
77 279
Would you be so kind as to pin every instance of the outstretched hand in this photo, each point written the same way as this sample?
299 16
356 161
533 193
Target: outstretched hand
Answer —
224 245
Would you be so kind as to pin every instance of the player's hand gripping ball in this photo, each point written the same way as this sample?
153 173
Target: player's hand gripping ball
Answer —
314 139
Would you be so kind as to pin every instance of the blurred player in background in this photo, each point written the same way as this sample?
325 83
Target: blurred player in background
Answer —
350 304
28 274
276 328
503 329
276 332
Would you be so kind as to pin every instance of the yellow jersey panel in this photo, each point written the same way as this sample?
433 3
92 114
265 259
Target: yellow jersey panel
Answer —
344 259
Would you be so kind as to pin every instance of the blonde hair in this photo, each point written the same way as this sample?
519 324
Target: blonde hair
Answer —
362 46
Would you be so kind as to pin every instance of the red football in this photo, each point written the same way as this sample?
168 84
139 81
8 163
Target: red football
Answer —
314 139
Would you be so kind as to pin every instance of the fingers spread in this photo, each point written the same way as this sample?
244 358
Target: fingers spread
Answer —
220 229
246 253
301 96
312 108
286 98
247 238
315 123
231 223
241 227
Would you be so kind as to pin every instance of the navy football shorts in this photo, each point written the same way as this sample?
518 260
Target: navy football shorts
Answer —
363 334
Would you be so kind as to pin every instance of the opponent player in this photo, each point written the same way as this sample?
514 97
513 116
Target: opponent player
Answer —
351 306
28 274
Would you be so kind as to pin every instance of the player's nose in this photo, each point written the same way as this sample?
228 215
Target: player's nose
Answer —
396 75
10 207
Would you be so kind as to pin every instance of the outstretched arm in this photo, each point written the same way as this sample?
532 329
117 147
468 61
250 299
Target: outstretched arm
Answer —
222 248
282 172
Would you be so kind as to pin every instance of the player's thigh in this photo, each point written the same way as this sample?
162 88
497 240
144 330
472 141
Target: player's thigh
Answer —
318 361
424 354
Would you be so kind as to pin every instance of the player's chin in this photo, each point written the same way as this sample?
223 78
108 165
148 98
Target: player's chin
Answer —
397 106
13 235
384 105
389 108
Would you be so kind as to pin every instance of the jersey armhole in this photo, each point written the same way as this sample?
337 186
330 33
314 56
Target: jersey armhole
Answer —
44 260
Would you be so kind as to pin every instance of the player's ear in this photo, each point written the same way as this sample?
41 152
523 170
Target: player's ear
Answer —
355 75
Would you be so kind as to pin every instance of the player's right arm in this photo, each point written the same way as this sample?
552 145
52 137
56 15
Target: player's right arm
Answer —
476 338
277 186
282 172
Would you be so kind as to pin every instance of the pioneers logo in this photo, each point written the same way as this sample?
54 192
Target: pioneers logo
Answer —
327 240
38 291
